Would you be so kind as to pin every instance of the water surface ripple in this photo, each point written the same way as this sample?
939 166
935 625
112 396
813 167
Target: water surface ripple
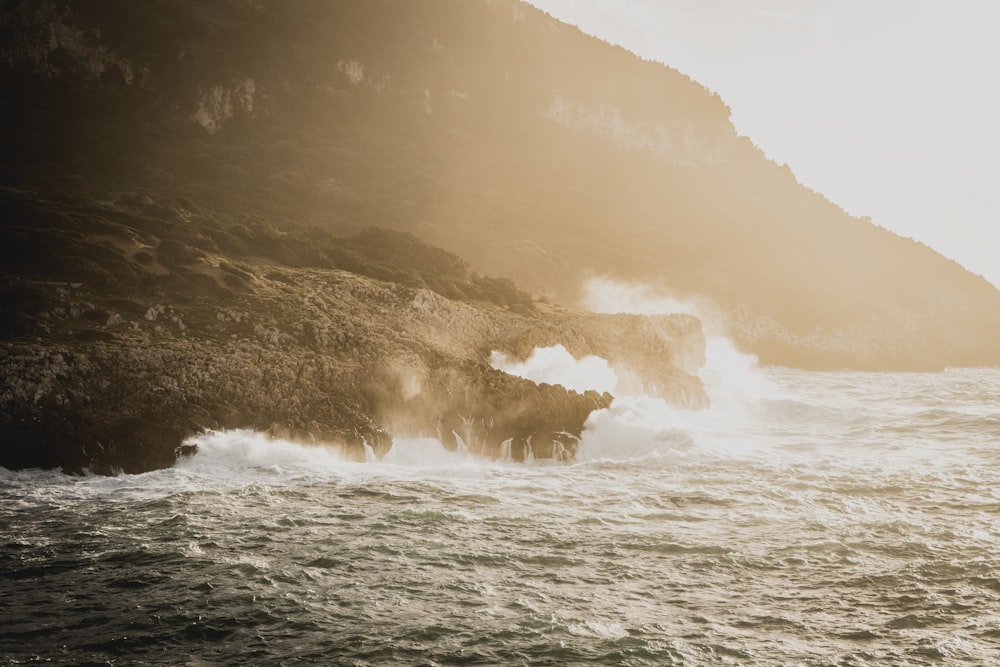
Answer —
847 519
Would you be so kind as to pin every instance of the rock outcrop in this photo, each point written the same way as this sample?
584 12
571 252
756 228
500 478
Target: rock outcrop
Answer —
124 342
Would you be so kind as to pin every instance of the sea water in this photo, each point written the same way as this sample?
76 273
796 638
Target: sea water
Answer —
807 518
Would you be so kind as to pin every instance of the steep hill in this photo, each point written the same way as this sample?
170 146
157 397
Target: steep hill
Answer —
488 128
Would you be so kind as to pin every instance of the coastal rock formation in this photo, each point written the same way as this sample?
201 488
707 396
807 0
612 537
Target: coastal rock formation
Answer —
251 214
128 329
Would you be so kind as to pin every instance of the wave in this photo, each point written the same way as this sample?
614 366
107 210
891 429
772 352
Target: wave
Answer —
633 427
802 411
752 410
247 452
946 424
243 448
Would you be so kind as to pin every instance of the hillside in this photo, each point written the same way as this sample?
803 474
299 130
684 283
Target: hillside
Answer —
486 128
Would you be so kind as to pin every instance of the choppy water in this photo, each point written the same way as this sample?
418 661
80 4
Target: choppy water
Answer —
817 519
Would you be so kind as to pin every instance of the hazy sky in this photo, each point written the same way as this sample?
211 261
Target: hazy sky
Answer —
887 107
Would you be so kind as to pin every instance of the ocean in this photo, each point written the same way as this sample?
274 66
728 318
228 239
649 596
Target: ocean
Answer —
807 518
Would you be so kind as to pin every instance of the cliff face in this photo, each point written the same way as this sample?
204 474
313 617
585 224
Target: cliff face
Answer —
129 325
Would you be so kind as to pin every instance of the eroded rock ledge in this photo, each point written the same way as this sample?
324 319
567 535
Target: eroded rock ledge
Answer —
322 356
129 323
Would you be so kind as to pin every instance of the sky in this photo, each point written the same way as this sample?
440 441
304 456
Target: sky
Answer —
889 108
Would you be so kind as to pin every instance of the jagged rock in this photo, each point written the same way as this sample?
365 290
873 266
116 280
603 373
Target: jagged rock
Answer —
314 355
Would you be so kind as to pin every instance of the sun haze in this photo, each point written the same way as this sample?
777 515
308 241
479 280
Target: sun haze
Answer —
887 109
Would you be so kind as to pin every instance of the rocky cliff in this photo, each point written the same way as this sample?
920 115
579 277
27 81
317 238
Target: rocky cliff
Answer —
131 324
251 214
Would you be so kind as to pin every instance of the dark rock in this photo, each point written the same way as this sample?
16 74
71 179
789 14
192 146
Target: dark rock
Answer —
338 359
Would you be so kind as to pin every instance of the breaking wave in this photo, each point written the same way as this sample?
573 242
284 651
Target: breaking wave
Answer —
678 537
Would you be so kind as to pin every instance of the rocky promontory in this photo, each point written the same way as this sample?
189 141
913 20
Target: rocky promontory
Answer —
130 324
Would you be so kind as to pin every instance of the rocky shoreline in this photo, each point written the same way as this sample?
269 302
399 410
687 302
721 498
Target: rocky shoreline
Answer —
322 356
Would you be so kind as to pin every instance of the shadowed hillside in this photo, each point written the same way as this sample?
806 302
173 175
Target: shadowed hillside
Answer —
489 129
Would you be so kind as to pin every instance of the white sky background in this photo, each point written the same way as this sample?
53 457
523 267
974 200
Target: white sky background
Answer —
890 108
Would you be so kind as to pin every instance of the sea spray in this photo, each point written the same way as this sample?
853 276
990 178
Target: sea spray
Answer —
555 365
635 424
605 295
241 448
733 379
729 375
638 423
420 452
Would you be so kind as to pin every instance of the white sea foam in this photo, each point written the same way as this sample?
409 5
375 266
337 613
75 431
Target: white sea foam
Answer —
641 425
730 376
597 629
885 510
246 456
242 448
635 426
733 379
555 365
426 453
